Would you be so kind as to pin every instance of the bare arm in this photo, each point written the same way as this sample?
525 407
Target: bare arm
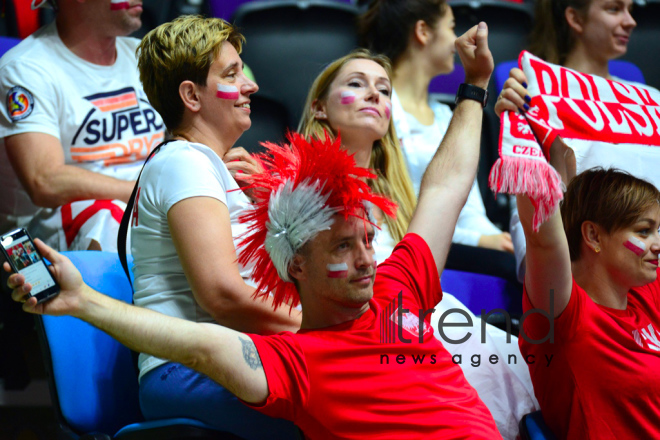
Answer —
449 177
548 261
201 232
228 357
38 160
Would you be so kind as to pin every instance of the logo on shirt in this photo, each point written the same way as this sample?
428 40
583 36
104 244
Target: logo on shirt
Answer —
19 103
396 318
121 127
647 338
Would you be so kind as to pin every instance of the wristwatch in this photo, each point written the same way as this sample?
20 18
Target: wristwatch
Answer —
468 91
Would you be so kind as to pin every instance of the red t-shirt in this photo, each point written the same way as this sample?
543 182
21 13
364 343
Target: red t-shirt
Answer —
604 377
336 382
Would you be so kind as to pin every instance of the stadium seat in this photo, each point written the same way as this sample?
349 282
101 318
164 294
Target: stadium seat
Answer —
288 42
532 427
444 87
269 123
481 292
92 377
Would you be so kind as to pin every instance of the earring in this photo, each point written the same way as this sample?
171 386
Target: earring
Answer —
597 249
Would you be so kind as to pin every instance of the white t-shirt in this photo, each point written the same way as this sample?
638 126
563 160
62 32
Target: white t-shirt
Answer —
100 114
179 170
419 143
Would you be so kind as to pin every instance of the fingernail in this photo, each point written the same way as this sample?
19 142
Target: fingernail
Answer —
525 106
524 84
482 25
528 98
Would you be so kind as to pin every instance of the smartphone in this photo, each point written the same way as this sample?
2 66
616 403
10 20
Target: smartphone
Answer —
24 258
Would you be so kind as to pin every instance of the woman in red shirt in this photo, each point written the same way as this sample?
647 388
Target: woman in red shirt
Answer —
592 271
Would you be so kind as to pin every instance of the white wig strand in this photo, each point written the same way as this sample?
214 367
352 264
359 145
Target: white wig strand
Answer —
296 215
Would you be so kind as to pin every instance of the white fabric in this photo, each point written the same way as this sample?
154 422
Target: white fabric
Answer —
178 171
419 143
100 115
505 388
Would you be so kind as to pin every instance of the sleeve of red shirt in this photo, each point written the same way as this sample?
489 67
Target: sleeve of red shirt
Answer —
536 324
286 372
411 265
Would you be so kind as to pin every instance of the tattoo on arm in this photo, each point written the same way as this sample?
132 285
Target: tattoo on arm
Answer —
250 354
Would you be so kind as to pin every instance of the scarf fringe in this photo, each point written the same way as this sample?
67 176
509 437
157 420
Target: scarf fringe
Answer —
537 179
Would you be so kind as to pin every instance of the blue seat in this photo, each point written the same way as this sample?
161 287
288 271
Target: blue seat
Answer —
619 68
481 292
92 377
532 427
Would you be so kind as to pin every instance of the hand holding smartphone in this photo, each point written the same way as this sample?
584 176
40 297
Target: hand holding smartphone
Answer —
24 258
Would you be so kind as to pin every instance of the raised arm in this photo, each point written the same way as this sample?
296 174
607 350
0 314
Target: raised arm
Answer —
226 356
38 160
201 231
548 263
449 176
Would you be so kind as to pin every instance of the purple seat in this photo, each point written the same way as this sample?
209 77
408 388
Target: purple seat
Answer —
224 8
481 292
448 84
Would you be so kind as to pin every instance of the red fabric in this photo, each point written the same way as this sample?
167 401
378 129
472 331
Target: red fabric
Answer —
601 383
27 20
332 384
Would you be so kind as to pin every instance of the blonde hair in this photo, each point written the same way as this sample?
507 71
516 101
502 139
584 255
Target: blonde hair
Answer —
386 157
181 50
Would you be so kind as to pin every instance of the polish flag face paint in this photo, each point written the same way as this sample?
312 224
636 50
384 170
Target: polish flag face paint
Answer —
636 245
337 270
347 97
116 5
227 92
388 110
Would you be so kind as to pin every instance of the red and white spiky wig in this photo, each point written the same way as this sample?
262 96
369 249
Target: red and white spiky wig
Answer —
304 184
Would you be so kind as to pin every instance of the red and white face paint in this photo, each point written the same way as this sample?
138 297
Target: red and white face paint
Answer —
116 5
347 97
635 245
227 92
337 270
388 109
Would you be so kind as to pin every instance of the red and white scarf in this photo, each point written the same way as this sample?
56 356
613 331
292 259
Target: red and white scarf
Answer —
606 123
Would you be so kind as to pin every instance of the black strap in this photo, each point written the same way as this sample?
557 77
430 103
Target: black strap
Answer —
126 218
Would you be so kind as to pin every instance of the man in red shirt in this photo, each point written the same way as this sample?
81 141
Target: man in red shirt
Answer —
365 363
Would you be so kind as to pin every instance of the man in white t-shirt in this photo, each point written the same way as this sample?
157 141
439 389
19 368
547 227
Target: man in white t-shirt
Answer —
76 125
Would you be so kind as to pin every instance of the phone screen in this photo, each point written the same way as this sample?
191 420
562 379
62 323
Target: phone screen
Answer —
25 258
